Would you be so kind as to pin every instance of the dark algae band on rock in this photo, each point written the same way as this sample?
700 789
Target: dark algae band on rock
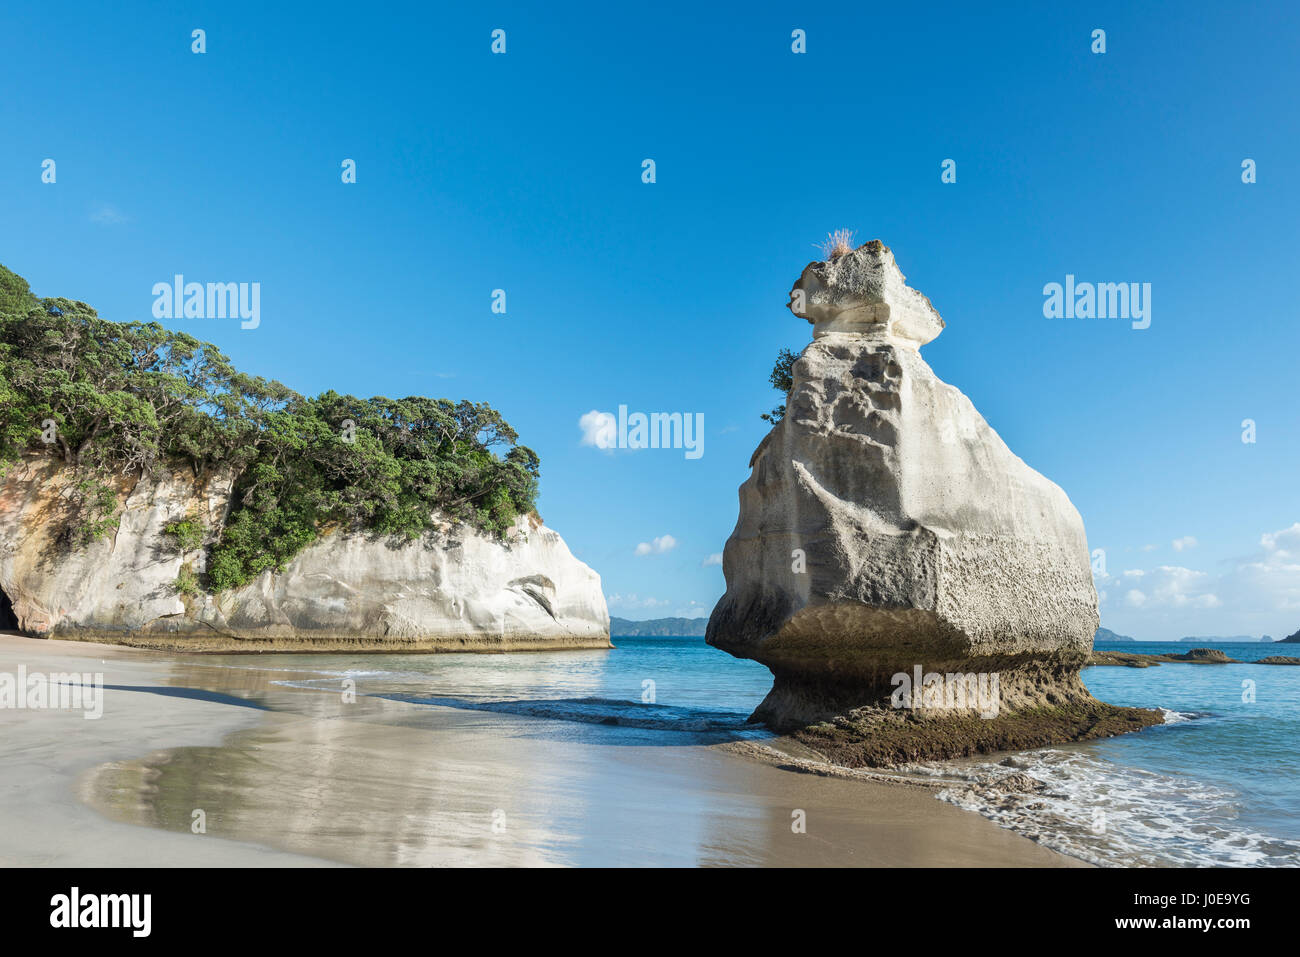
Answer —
882 737
151 493
886 530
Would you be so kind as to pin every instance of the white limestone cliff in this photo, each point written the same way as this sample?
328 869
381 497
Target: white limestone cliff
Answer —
454 588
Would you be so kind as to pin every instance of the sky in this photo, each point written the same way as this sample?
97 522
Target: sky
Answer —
523 171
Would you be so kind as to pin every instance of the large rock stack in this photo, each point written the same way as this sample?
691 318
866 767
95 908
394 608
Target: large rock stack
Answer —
886 527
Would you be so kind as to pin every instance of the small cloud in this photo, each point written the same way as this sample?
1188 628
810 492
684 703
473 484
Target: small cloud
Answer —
1149 548
106 214
1187 541
714 559
599 429
657 546
1271 577
1171 586
445 375
1264 583
728 428
633 601
1282 544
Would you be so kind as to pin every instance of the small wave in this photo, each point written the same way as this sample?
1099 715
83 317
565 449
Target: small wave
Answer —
328 681
1111 815
605 711
265 669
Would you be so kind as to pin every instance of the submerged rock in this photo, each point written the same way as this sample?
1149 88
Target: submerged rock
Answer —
1213 656
1197 656
887 528
456 588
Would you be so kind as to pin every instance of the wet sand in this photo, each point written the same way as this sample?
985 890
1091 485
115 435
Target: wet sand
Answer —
287 777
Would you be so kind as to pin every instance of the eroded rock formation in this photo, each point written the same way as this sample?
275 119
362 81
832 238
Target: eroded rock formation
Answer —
452 589
886 527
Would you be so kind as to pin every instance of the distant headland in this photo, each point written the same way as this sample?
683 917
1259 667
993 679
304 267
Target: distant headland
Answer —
657 628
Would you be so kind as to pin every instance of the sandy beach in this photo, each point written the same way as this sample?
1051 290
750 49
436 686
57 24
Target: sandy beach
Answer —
283 776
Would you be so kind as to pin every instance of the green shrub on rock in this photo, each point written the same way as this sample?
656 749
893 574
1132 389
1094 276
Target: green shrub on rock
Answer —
127 398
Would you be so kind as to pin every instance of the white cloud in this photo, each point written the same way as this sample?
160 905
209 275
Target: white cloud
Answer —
632 600
1175 587
1283 544
599 429
1149 548
1165 587
1257 593
1187 541
714 559
657 546
106 214
1270 579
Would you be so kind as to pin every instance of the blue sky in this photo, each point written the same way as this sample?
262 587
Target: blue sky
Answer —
522 172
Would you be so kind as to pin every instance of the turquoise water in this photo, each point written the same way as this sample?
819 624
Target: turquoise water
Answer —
1218 784
1241 737
1243 732
645 691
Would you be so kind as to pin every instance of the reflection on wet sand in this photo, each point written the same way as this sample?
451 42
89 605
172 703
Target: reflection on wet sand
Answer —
377 782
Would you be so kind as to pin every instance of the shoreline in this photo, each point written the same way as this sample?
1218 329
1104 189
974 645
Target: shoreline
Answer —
46 754
225 644
310 781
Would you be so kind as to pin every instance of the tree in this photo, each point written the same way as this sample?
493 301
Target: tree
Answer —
782 379
15 295
128 397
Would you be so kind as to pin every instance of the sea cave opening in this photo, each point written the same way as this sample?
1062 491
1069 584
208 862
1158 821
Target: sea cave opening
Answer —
8 620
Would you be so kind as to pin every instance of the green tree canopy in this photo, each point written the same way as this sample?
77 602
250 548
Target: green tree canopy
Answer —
128 397
782 379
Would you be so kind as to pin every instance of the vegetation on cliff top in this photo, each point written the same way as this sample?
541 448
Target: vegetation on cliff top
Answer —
782 379
126 398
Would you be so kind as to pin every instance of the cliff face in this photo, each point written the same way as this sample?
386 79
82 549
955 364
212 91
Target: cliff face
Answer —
455 588
886 527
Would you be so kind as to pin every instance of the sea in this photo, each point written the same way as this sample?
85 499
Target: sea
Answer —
1218 784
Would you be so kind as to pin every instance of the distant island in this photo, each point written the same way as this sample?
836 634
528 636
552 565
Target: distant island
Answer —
1291 639
657 628
1105 634
1231 640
